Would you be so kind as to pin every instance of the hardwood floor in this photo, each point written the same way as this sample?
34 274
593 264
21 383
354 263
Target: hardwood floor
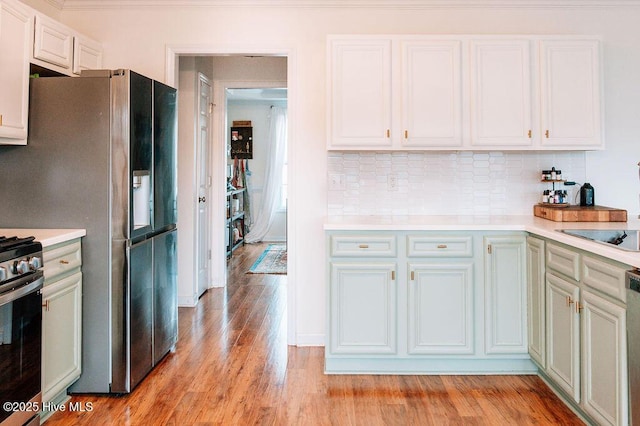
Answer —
232 366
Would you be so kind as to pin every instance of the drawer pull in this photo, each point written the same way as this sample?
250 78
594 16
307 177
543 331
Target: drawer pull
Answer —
569 301
442 246
364 246
64 262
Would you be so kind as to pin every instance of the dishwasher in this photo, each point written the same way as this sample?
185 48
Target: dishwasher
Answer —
633 344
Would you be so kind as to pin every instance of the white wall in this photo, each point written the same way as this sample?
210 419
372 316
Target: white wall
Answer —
137 38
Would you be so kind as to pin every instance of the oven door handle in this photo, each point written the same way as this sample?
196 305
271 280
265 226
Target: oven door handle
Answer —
19 292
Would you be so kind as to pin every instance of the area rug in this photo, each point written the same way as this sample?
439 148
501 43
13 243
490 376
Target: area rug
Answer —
273 260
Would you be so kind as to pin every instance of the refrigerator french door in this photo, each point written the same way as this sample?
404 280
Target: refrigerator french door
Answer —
101 155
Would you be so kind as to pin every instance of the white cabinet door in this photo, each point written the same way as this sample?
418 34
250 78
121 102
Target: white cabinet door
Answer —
360 91
604 366
87 54
440 308
53 42
536 300
432 93
363 308
61 335
501 93
563 335
571 104
505 295
15 45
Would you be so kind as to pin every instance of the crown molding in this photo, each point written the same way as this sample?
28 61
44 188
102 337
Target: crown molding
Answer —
58 4
384 4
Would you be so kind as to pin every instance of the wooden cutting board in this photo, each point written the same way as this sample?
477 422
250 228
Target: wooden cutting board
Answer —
579 213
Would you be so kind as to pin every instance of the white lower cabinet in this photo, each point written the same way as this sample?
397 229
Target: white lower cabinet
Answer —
586 333
61 320
426 303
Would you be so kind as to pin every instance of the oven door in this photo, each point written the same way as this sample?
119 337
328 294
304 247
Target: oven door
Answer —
20 351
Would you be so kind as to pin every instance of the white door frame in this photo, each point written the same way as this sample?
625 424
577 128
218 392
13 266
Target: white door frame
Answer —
218 169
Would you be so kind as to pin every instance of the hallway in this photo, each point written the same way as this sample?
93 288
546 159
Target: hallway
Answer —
232 366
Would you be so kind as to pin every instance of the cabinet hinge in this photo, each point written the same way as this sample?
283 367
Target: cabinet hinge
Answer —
489 248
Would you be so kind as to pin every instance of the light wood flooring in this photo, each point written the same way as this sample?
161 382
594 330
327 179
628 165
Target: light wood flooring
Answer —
232 366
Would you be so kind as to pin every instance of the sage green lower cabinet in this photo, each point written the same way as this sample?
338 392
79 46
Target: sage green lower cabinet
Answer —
441 308
426 302
536 305
363 307
586 333
61 320
604 367
563 335
505 295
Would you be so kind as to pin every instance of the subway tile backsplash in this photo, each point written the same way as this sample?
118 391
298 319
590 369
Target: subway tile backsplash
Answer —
443 183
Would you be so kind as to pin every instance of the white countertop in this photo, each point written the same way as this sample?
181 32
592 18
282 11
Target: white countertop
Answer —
535 225
47 237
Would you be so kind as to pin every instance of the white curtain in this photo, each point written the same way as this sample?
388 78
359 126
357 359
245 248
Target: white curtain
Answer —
276 149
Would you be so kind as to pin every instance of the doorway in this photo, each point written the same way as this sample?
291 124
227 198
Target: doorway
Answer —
218 157
256 152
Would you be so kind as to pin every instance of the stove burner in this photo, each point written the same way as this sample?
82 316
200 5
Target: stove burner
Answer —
7 243
18 257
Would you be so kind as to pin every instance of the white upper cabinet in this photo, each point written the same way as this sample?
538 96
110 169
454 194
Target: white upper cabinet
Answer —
431 93
360 90
464 92
15 42
570 93
501 92
395 93
53 42
62 49
87 54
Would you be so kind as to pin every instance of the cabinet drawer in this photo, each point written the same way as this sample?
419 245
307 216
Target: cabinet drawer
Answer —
61 259
439 246
564 261
604 277
363 245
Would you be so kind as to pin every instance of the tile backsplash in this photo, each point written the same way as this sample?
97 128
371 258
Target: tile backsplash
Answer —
443 183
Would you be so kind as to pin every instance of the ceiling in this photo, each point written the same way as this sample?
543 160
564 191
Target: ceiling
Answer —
418 4
255 94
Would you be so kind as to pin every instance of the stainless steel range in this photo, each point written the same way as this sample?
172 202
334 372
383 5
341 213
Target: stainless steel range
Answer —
21 279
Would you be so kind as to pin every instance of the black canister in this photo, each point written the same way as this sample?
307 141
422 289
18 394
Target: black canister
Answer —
587 197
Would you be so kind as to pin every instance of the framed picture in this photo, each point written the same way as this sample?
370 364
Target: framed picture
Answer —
242 142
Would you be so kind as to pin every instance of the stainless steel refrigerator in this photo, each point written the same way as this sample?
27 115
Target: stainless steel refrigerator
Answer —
101 155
